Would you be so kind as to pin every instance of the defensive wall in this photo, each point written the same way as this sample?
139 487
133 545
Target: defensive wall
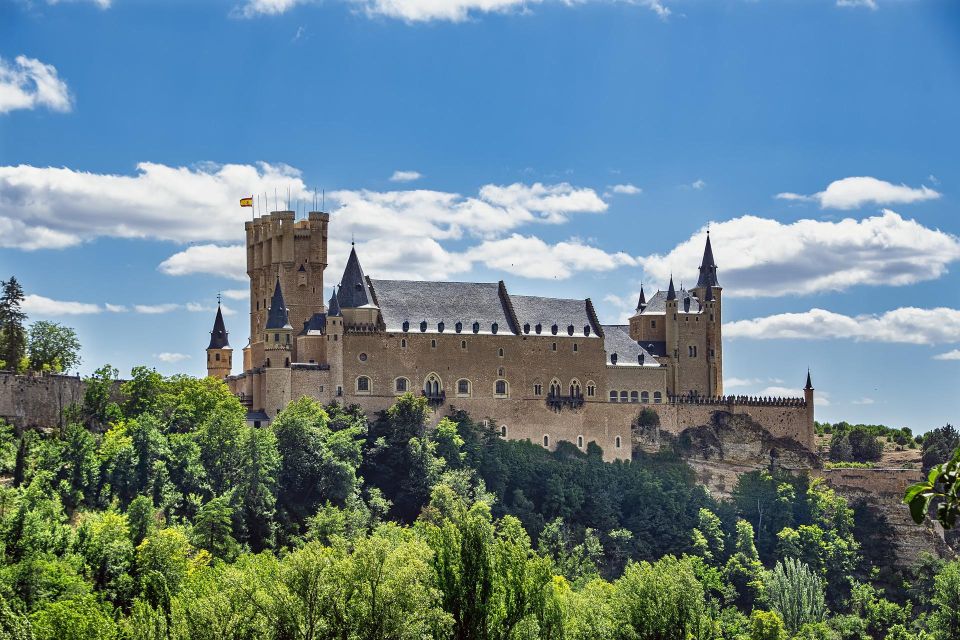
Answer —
37 401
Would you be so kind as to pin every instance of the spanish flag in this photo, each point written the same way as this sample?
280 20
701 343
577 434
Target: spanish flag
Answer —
246 202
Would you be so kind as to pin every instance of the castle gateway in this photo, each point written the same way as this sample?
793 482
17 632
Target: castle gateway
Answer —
542 369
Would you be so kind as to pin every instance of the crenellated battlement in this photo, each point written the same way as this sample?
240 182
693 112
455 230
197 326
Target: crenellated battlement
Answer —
738 401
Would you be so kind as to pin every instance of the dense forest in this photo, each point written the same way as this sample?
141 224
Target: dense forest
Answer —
156 512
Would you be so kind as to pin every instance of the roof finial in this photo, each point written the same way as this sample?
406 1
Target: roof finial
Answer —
218 298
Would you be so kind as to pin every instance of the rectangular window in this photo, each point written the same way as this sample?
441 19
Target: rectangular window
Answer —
576 347
653 324
538 389
591 391
554 346
433 344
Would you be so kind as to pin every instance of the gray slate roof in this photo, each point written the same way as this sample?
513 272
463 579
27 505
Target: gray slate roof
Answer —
534 310
658 303
354 292
414 301
218 337
617 340
316 325
277 317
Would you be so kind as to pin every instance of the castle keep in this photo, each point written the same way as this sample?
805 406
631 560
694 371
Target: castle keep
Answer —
539 368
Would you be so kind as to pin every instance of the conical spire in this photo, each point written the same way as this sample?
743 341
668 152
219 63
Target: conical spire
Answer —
671 292
809 386
277 317
333 307
218 337
708 268
642 302
354 291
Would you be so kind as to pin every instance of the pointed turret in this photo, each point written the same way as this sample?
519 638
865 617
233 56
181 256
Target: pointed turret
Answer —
671 291
219 353
218 337
354 291
708 267
277 317
809 386
333 308
642 302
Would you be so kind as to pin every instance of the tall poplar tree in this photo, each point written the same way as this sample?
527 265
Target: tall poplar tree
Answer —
13 335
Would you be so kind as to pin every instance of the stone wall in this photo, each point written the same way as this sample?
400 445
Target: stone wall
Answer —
37 402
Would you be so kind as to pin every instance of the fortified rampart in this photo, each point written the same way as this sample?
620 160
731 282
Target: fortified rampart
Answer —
37 402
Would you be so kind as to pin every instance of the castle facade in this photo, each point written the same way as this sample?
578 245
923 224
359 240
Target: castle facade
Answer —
543 369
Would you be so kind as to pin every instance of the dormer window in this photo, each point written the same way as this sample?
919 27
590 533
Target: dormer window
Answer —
613 358
423 326
406 325
458 326
554 329
526 328
586 329
570 330
538 328
440 327
494 327
476 327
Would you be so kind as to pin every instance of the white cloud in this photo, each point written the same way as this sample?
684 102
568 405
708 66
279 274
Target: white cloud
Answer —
236 294
759 257
405 176
48 307
228 262
698 185
853 193
868 4
908 325
168 307
115 308
49 207
949 355
864 401
625 189
102 4
418 11
153 309
531 257
27 83
171 358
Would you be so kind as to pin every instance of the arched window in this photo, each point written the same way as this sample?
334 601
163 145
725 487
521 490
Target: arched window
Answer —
613 396
644 397
463 388
403 343
537 389
463 344
591 388
657 397
363 384
500 352
580 442
500 388
623 396
432 385
400 385
575 391
634 396
503 431
546 440
554 388
433 343
500 371
617 444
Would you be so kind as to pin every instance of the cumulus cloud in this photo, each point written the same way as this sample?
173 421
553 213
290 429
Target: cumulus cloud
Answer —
253 8
729 383
405 176
759 257
625 189
949 355
236 294
34 305
171 358
853 193
27 83
531 257
867 4
49 207
102 4
115 308
229 261
698 185
908 325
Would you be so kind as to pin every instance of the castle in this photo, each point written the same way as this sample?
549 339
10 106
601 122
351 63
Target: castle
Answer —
537 368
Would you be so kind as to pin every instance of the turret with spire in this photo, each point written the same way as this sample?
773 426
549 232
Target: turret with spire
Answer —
808 398
219 353
279 332
354 296
642 302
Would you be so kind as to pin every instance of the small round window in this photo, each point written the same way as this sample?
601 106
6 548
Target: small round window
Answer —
362 357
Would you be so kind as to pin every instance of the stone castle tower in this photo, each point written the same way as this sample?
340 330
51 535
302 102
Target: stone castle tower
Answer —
219 352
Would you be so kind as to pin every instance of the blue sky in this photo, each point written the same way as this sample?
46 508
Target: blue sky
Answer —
570 148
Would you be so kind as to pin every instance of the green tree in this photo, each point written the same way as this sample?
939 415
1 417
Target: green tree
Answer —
796 593
766 625
744 570
104 541
213 529
13 337
707 537
255 495
939 445
940 489
99 409
879 613
141 519
80 618
945 620
52 347
659 601
576 561
168 554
